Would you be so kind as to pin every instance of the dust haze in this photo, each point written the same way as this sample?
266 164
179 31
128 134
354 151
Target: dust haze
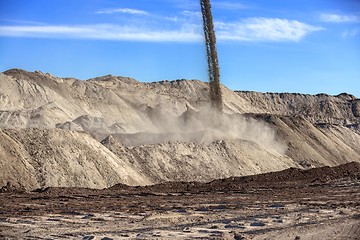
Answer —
203 126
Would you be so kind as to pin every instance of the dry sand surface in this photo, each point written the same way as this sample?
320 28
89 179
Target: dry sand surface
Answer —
114 158
63 132
292 204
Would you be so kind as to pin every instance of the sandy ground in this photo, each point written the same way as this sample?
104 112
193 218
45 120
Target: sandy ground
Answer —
290 210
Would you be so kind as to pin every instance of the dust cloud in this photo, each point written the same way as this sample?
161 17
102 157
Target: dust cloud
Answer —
204 126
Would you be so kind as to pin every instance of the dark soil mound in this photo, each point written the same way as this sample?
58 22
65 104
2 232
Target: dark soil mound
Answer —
274 179
351 170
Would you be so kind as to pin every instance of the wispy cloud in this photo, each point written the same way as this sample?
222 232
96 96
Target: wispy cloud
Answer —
336 18
251 29
229 5
103 32
265 29
219 4
191 14
350 33
19 21
185 4
123 10
137 12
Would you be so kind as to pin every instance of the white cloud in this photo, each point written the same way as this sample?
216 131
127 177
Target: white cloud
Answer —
123 10
191 14
18 21
229 5
350 33
138 13
171 19
264 29
251 29
104 32
336 18
33 30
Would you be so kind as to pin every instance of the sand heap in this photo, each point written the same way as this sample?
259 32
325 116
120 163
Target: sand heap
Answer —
108 130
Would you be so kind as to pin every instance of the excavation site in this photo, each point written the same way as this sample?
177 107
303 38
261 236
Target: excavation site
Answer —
113 157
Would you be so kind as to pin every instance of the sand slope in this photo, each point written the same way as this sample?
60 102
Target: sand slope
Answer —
34 158
107 130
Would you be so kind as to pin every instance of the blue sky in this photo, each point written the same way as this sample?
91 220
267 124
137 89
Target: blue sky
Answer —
301 46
